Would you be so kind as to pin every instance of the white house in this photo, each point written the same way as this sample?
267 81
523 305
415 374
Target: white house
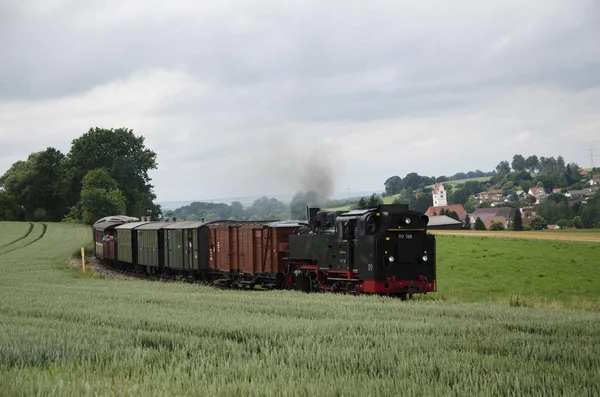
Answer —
439 196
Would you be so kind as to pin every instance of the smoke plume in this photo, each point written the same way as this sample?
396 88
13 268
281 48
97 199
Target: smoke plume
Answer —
305 168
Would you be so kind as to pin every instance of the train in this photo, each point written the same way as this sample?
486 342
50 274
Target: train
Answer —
385 250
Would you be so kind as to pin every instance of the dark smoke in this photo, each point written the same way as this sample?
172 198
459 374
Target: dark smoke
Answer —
299 203
305 167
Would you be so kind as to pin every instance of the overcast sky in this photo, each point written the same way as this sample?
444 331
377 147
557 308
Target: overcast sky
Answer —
242 98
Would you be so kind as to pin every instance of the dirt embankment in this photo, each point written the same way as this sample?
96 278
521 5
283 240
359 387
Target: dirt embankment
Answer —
94 266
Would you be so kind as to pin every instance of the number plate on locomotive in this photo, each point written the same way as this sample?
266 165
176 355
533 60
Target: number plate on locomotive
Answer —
405 236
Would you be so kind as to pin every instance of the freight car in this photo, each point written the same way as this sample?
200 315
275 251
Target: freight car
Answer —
383 250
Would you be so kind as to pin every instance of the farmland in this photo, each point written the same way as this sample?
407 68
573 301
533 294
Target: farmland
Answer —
64 333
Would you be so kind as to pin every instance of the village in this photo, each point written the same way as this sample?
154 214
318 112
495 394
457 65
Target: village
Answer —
498 215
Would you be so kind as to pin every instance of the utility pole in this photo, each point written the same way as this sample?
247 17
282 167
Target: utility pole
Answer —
591 156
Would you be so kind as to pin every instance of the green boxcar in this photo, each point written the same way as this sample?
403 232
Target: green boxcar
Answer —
150 245
127 241
181 243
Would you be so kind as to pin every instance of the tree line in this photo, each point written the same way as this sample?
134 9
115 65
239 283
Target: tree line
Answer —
104 173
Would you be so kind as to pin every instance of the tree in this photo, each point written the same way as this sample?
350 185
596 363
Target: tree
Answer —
532 163
8 208
374 201
518 163
98 203
33 185
362 204
517 221
100 197
412 180
577 222
393 185
467 223
450 214
538 223
479 225
503 168
126 160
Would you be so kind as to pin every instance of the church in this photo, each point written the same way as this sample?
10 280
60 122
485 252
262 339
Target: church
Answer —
440 202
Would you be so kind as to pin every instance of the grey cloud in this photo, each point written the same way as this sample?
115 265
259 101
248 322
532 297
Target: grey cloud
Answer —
333 69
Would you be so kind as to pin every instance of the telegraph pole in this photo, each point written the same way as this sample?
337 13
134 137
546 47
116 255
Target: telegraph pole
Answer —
591 156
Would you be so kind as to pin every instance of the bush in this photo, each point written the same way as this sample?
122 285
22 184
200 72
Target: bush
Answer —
562 223
538 223
496 225
479 225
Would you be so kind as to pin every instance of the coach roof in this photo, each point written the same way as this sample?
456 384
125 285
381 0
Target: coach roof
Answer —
131 225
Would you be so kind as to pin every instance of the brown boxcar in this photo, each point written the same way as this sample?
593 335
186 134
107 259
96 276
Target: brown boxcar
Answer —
249 251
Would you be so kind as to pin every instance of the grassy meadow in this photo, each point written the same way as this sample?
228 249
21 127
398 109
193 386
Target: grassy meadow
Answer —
503 323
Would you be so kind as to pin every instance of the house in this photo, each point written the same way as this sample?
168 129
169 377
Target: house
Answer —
559 190
595 180
439 196
458 208
537 192
443 222
590 191
553 227
500 214
494 195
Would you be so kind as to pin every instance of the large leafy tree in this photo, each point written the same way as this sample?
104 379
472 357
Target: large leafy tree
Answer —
532 163
33 186
393 185
100 197
518 163
126 159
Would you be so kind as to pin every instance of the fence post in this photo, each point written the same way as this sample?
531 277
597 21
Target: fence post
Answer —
83 259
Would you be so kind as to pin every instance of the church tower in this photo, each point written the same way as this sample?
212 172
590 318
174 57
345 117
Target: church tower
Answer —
439 196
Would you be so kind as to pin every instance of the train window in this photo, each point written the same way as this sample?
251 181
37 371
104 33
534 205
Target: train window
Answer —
370 225
343 235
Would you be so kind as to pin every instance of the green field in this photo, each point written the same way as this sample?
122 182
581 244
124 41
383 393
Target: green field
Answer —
62 333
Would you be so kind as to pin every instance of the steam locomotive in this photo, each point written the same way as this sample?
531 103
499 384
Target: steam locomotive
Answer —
385 250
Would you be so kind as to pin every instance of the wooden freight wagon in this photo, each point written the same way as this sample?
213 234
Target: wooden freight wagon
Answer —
249 253
150 245
127 236
181 245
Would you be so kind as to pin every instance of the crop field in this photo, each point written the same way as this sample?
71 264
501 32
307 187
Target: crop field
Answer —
519 271
588 235
64 333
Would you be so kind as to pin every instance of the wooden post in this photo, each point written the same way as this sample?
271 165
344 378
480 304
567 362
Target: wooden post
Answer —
83 259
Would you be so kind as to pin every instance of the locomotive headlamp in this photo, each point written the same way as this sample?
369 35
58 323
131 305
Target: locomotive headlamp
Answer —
391 258
425 258
407 220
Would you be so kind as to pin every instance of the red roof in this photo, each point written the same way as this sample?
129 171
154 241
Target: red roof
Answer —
488 221
458 208
436 188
